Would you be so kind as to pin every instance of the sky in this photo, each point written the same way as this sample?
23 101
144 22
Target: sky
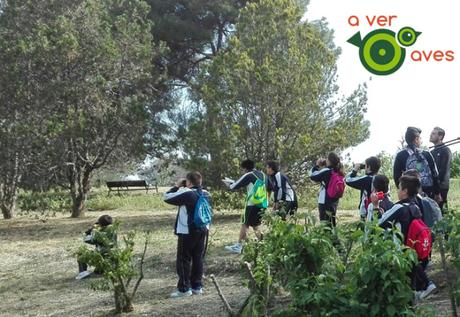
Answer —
423 94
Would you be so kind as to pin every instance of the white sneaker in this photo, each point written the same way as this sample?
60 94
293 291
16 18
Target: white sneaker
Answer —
179 294
197 291
424 294
82 275
236 248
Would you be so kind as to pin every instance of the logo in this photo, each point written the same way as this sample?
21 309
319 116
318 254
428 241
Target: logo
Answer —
382 52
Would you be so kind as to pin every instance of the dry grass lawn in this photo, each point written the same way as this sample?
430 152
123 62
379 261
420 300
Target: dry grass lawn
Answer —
37 268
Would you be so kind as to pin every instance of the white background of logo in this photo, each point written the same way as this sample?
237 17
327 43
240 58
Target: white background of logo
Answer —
422 94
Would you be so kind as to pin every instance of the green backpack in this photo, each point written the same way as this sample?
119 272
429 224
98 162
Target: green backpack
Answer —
258 195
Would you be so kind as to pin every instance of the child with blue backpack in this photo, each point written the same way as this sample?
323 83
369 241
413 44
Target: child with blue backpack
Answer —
191 227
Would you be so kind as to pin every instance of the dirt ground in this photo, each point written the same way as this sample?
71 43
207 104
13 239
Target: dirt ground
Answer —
38 269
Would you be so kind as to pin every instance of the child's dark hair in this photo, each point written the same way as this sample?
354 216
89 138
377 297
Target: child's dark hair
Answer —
275 166
194 178
104 220
374 164
381 183
335 163
411 183
412 172
248 164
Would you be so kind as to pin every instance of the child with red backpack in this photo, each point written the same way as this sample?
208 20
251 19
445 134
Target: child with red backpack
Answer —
329 173
406 215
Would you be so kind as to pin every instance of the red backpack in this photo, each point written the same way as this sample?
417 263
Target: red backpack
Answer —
419 238
336 186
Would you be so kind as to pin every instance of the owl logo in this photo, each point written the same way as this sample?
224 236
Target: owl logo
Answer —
380 52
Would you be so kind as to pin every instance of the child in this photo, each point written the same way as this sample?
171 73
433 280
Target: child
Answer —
401 215
284 195
322 173
364 182
380 199
252 216
95 235
190 237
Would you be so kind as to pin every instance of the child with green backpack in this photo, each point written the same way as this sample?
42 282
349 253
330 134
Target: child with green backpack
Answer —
256 184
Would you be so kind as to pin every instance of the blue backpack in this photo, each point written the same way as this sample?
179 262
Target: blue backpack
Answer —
202 215
417 161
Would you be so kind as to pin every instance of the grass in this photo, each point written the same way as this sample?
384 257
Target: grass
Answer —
38 267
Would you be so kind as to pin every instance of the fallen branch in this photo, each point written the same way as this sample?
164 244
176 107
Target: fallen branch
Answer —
222 297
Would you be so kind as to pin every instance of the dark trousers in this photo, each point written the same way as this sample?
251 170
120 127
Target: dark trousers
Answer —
419 279
189 261
327 213
82 266
443 193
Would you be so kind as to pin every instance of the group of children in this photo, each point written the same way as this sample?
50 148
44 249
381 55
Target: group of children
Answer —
414 202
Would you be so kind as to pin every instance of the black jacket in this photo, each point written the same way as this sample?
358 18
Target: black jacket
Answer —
443 158
400 166
186 199
401 215
323 176
364 184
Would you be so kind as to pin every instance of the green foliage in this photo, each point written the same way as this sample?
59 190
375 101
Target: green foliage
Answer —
55 201
117 263
455 167
451 225
224 200
269 92
323 279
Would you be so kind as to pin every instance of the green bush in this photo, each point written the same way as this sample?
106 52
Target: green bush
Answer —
322 278
56 201
228 200
117 264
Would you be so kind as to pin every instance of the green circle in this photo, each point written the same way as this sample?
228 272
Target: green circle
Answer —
407 36
377 48
373 43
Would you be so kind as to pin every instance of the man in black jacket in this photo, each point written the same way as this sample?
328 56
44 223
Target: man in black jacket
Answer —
191 240
412 157
443 158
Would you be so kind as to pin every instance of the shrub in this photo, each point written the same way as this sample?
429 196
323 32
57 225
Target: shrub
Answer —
117 265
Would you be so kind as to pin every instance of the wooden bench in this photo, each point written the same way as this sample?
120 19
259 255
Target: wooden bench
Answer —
129 185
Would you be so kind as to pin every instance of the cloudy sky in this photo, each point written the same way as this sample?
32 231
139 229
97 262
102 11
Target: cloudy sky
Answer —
423 94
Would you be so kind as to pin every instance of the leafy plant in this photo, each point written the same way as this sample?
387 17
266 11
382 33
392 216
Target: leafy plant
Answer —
367 278
117 263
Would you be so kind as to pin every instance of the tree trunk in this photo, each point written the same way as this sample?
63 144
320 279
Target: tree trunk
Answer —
127 305
79 189
9 189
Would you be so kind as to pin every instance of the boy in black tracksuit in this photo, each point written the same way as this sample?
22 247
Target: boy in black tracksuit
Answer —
284 195
430 181
191 240
364 183
401 216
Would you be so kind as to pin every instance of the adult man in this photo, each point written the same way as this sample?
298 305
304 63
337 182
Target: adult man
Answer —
412 157
443 158
284 195
191 239
256 185
364 183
